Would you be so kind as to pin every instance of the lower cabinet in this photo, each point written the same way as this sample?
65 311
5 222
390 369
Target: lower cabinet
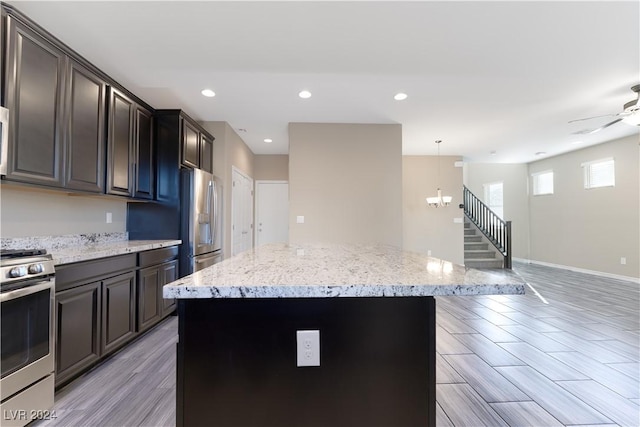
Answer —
118 311
160 267
95 312
102 304
78 329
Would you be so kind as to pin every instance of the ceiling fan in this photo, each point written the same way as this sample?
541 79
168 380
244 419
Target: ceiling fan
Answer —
630 114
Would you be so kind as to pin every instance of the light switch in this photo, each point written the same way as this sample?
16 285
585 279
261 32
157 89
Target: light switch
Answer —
109 218
300 219
457 220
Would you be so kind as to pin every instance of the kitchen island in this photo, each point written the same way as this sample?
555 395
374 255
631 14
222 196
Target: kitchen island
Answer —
373 308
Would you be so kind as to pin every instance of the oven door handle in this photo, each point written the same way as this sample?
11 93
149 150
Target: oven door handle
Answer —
28 290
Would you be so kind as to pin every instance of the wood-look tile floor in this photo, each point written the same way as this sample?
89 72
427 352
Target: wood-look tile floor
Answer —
502 361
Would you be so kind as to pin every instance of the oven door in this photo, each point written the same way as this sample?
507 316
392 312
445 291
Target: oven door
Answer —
27 336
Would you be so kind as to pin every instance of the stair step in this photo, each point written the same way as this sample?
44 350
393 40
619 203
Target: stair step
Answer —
483 263
471 239
475 254
469 231
476 246
467 224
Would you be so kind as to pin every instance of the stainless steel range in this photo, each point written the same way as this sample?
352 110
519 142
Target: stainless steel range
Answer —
27 289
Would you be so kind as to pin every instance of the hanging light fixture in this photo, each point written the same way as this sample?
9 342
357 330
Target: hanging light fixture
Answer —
439 200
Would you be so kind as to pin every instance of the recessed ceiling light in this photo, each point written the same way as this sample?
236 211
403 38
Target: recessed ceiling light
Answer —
492 152
540 153
305 94
208 93
577 142
400 96
268 140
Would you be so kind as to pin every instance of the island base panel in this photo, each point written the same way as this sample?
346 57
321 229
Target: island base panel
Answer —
237 362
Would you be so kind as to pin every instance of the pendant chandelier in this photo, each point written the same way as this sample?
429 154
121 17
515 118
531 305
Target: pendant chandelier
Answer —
439 200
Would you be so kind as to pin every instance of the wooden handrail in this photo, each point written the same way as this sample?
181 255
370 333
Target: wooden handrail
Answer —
497 231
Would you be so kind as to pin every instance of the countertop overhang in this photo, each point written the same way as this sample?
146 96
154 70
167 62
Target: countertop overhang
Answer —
340 270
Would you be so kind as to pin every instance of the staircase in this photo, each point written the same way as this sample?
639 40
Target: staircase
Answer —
477 253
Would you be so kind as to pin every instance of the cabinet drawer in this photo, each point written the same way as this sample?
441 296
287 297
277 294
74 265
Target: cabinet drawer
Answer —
157 256
71 275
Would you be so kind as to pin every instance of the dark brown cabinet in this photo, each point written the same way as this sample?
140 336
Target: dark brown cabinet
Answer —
190 144
78 323
130 166
196 144
34 84
160 267
56 137
144 165
85 135
118 311
71 126
119 144
95 312
206 153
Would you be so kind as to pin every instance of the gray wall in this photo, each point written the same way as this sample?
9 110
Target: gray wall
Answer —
346 180
27 212
229 150
589 229
432 229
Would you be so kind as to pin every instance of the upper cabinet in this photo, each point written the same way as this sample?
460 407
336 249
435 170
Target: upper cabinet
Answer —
197 145
71 127
129 148
35 93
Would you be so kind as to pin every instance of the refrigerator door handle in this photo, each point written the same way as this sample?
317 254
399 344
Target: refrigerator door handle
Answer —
211 195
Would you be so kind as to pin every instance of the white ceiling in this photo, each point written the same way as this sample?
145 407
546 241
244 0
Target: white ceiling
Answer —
481 76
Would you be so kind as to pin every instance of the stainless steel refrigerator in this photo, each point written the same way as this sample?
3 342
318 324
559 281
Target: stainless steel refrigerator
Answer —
201 221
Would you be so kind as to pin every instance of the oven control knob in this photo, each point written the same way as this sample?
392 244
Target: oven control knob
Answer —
18 271
36 269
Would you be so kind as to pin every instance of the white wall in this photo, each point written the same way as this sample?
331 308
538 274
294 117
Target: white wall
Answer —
589 229
27 212
432 229
514 178
346 180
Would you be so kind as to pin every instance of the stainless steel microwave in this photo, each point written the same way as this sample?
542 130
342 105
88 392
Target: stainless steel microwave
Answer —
4 139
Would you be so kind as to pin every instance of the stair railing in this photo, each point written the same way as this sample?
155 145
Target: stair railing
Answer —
497 231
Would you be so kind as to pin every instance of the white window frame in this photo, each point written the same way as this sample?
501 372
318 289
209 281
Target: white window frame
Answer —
535 177
499 210
587 173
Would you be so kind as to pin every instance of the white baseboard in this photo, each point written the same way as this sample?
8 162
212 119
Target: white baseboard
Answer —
580 270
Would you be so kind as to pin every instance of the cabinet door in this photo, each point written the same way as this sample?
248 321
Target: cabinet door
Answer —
34 83
149 311
118 311
85 140
168 274
206 153
119 144
78 329
190 145
144 165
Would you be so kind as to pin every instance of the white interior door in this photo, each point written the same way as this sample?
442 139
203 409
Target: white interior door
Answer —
272 212
241 212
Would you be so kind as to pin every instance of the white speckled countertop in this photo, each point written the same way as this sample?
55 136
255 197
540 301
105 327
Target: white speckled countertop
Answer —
67 249
283 271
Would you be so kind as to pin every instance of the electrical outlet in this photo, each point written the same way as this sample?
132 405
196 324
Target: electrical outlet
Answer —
300 219
429 252
623 261
308 348
109 217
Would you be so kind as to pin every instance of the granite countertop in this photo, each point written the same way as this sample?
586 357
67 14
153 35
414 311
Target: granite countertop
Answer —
68 249
308 271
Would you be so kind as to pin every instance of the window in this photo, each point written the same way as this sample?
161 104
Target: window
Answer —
493 198
542 183
599 173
